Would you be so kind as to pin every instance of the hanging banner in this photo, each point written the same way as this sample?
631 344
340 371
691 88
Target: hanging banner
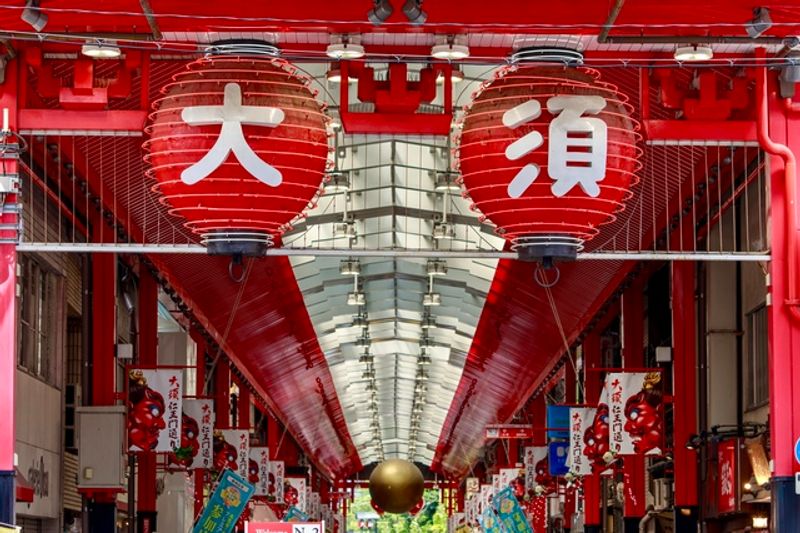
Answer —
293 514
473 485
510 513
486 498
596 437
258 470
225 505
154 410
558 421
635 412
537 472
557 454
727 486
515 479
197 435
489 522
294 493
231 450
581 419
276 481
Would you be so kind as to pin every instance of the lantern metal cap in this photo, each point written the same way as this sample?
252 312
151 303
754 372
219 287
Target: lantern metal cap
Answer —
548 54
245 243
547 248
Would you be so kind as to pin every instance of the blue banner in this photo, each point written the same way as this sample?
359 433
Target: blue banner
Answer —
489 522
293 514
558 421
226 504
557 453
510 513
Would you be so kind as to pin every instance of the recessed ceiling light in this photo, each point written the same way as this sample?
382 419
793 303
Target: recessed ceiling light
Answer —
450 48
345 50
456 76
693 53
101 50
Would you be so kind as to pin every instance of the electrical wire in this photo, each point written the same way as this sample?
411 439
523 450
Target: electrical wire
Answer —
568 351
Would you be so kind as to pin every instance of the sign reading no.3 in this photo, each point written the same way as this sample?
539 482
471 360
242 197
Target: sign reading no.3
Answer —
284 527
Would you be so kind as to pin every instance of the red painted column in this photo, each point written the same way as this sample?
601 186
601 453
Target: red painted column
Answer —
8 318
244 406
539 416
592 384
104 328
273 436
147 312
633 468
684 342
222 394
199 474
783 330
570 386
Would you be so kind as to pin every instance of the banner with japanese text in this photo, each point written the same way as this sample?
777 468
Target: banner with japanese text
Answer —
197 435
510 512
486 498
258 471
514 478
295 493
727 475
581 419
283 527
635 414
154 409
536 469
232 450
276 480
489 521
226 504
293 514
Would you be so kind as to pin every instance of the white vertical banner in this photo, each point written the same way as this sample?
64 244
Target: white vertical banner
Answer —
239 440
258 471
634 404
580 419
295 492
201 412
154 409
535 457
496 487
276 480
486 498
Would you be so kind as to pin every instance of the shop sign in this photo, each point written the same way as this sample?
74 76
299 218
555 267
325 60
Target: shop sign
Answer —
283 527
509 431
727 476
225 505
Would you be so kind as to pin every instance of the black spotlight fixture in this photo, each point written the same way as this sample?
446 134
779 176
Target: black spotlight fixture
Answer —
33 15
381 11
414 12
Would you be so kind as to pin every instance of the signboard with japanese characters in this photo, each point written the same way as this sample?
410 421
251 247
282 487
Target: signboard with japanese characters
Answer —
283 527
489 522
634 405
258 471
154 409
536 469
197 434
226 504
487 492
276 481
232 450
295 493
510 513
509 431
727 476
580 420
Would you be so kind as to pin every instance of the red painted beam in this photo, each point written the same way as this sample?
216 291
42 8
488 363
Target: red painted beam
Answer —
147 313
73 120
700 130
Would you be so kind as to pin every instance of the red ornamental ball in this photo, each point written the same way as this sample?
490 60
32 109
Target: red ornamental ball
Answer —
530 159
204 168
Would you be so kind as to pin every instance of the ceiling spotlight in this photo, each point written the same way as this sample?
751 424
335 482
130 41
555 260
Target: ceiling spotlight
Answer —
101 50
349 267
456 76
356 298
436 267
693 53
760 22
345 48
414 13
338 181
344 229
381 11
33 15
450 48
443 230
431 299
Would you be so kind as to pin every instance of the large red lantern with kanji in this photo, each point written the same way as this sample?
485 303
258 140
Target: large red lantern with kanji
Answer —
238 146
548 154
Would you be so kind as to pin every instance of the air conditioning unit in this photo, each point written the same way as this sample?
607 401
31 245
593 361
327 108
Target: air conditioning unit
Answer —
72 400
662 493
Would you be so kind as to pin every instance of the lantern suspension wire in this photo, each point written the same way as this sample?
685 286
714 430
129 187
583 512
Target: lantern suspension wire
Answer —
551 300
247 270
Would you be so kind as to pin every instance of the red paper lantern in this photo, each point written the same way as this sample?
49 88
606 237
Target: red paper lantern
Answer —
238 146
548 154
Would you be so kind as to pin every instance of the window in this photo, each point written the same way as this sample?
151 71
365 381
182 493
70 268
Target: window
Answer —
756 359
40 320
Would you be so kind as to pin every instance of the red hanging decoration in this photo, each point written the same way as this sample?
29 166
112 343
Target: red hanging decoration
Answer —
548 154
238 146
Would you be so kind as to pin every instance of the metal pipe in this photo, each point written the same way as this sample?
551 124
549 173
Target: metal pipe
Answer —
686 39
609 23
151 19
421 254
790 177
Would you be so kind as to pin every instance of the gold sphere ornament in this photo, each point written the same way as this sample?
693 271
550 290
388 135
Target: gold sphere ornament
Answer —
396 486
